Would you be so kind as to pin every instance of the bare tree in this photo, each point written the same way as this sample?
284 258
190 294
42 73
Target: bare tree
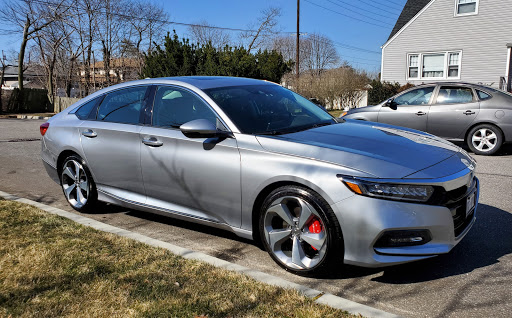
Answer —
317 52
89 10
203 33
320 53
147 21
110 32
29 18
264 29
49 42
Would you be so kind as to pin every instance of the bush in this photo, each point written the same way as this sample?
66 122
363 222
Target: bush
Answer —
384 90
181 58
381 91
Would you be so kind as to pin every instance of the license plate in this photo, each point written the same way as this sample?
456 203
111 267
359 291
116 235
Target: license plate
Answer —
470 203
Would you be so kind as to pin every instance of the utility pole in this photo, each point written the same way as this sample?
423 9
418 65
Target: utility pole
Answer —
297 45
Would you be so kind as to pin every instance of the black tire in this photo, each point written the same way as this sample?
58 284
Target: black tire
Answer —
332 248
91 203
481 147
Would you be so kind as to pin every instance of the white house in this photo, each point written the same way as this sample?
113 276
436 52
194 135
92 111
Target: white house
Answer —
450 40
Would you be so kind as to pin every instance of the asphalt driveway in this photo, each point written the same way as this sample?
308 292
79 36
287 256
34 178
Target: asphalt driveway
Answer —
473 280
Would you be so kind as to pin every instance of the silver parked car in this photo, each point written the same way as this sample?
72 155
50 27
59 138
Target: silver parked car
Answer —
479 115
257 159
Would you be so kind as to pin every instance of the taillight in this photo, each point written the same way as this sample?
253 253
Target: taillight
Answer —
43 128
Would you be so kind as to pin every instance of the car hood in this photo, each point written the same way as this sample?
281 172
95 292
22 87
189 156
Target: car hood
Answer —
382 151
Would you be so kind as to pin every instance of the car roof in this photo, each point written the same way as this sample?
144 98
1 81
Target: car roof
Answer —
206 82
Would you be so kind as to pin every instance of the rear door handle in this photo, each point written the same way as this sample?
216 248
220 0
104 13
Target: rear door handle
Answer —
152 142
89 133
469 112
420 113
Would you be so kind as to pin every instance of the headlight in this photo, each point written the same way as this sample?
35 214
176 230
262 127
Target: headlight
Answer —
343 114
402 192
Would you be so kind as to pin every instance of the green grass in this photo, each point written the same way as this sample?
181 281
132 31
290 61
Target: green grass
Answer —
51 266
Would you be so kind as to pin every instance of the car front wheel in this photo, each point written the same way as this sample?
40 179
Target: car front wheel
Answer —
300 231
485 139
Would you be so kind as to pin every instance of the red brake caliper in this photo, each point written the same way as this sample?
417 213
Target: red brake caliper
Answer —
315 227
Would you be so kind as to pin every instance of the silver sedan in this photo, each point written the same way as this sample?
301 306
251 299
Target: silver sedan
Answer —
479 115
261 161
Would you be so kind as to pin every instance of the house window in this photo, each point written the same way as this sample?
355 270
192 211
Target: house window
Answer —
413 66
466 7
453 64
435 65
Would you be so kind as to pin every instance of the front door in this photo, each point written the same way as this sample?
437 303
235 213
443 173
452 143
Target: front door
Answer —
411 109
111 142
453 110
195 177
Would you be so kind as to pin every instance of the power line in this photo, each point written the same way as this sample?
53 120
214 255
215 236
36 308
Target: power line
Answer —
163 21
360 58
355 48
362 9
339 44
348 16
400 5
376 3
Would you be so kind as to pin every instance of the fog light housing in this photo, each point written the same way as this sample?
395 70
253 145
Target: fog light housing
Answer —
400 238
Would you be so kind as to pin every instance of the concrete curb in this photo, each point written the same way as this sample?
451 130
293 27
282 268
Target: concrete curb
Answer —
24 117
320 297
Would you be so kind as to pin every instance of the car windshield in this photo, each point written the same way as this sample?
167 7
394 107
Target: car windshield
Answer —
268 109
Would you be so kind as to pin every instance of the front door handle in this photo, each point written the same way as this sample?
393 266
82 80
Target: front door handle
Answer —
469 112
420 113
152 142
89 133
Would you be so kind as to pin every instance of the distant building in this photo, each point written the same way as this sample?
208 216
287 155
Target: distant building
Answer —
31 78
121 70
450 40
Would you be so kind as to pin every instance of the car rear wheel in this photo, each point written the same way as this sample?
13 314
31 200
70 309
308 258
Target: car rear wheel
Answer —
77 184
300 231
485 139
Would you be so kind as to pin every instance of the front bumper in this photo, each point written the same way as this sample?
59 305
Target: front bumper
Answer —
364 220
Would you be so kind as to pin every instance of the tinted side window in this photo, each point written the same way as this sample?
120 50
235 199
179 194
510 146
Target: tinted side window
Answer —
483 95
84 110
420 96
173 107
123 106
454 95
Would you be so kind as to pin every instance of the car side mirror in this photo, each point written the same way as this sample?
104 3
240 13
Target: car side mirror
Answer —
391 104
202 128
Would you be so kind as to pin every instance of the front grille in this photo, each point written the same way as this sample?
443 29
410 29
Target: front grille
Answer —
460 221
458 208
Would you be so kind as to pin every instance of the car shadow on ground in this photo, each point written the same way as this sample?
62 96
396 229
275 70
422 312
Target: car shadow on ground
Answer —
484 245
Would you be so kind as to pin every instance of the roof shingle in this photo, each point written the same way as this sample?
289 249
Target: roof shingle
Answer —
411 8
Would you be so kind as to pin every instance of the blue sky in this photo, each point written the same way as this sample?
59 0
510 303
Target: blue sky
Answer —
362 25
316 16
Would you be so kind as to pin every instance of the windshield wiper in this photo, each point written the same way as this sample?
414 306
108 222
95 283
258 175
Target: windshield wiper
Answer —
271 133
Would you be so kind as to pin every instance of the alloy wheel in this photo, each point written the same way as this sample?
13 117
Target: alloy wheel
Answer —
75 183
295 233
484 139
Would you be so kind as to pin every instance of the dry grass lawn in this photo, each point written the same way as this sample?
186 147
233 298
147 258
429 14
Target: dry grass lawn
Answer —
50 266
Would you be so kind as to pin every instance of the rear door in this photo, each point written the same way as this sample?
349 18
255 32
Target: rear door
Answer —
194 177
111 142
452 112
411 111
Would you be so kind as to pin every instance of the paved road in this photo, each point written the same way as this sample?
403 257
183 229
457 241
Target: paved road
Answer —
474 280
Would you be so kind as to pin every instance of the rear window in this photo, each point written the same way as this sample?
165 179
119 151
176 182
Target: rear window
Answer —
483 95
123 106
84 110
